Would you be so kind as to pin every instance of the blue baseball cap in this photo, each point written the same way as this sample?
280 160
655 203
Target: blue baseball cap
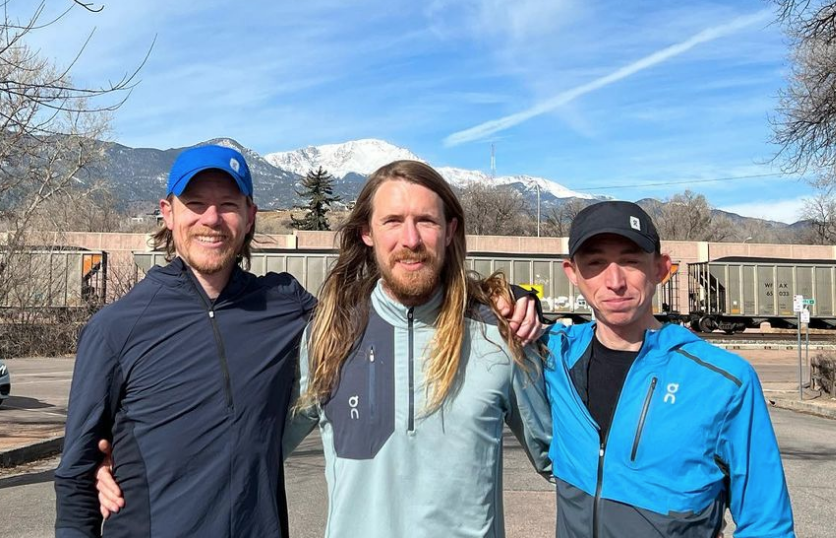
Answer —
195 160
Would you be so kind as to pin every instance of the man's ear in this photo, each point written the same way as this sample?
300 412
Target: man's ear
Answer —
167 212
366 235
252 211
570 270
451 229
663 267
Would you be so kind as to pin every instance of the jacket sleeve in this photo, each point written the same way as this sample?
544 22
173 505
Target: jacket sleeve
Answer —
93 397
747 448
300 420
529 416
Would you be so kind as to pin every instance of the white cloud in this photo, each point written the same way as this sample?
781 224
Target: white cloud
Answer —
781 210
488 128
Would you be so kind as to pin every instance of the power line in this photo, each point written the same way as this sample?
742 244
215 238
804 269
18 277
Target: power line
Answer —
679 182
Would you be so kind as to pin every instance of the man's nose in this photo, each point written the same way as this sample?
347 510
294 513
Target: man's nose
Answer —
211 216
410 236
614 277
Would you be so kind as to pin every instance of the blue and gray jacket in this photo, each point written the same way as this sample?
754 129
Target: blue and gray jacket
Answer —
690 436
394 470
194 395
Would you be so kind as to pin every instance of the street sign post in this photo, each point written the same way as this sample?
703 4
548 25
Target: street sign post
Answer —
798 303
798 308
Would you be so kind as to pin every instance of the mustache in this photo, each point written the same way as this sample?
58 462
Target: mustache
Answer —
406 255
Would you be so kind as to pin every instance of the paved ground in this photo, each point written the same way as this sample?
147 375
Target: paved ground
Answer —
808 445
26 493
37 407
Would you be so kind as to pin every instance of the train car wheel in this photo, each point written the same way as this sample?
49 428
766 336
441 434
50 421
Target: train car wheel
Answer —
706 324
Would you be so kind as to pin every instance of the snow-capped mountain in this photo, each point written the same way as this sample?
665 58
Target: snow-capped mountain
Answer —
461 178
139 175
355 160
360 157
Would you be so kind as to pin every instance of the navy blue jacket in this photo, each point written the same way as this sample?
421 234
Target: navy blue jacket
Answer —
194 395
690 437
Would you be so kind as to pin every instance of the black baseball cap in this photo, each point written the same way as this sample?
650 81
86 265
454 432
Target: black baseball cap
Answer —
614 217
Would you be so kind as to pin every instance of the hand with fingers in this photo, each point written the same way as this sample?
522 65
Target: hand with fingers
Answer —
110 496
522 317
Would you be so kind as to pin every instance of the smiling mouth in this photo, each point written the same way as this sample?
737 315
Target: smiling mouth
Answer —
411 264
209 239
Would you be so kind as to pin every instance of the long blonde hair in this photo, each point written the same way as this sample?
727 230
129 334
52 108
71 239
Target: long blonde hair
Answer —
343 310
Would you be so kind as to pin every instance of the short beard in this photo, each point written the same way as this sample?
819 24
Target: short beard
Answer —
209 265
411 288
217 265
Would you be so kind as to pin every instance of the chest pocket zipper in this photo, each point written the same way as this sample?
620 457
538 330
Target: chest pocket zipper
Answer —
642 419
372 382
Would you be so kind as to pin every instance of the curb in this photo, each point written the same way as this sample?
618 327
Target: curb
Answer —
32 452
804 407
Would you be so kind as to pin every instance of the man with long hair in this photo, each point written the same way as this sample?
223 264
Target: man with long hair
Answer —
190 375
409 373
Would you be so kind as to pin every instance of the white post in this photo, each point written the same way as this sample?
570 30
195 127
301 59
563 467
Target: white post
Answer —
800 382
807 354
538 208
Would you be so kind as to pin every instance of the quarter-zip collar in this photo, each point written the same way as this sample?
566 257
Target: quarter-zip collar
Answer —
179 274
396 314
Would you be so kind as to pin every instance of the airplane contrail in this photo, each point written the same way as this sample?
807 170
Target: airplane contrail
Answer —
491 127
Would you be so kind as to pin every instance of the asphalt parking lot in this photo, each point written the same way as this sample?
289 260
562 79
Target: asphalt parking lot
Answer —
38 407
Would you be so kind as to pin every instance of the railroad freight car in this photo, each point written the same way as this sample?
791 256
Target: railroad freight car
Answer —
52 279
734 293
539 272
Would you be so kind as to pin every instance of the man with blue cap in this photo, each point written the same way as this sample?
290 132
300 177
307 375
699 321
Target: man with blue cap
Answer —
189 376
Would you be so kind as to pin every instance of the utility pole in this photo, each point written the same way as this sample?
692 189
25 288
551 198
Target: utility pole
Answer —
538 207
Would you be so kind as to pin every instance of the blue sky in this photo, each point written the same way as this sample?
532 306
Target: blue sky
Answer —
629 98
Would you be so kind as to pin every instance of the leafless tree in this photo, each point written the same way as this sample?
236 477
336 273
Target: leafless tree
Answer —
51 132
806 126
559 219
820 211
494 210
688 217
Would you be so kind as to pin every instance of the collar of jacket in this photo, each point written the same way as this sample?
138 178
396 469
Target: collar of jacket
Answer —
178 274
575 339
396 314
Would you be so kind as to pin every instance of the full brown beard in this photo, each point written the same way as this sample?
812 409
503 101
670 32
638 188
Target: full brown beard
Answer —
411 288
209 265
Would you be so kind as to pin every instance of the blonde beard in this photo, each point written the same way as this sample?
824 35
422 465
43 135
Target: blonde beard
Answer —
207 265
415 287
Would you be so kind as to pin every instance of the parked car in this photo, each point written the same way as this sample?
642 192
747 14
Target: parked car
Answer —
5 382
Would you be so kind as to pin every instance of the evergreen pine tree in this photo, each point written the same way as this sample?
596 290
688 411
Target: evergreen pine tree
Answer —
317 191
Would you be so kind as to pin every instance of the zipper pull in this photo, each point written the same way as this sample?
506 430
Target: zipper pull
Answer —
212 314
371 354
601 451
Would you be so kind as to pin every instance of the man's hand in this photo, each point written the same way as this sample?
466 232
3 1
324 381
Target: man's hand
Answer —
522 318
110 496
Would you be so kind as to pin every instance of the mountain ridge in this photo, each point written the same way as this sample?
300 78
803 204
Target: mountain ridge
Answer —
139 175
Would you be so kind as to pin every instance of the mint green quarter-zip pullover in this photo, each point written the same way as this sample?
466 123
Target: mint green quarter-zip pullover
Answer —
393 469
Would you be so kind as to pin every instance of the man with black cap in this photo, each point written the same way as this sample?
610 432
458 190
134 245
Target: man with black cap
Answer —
656 432
189 375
